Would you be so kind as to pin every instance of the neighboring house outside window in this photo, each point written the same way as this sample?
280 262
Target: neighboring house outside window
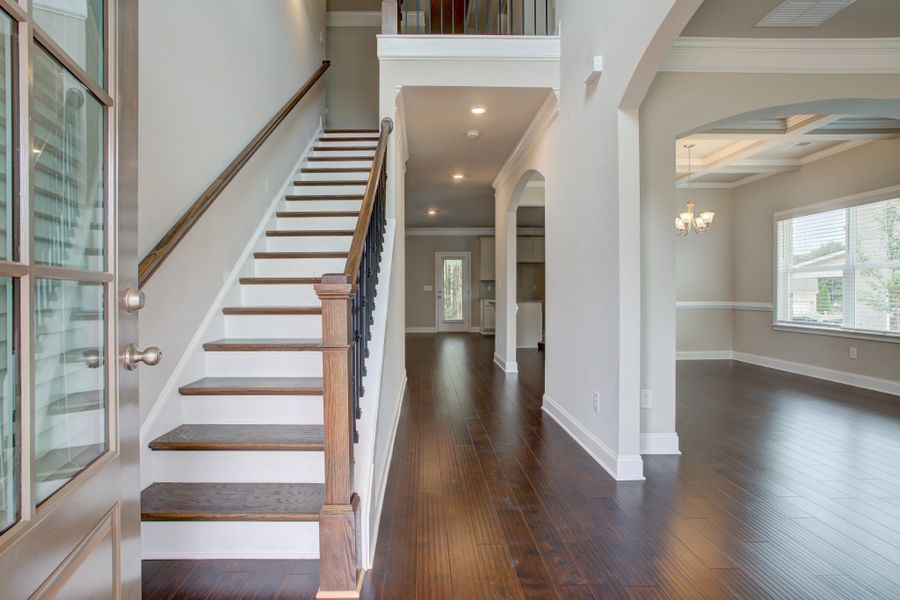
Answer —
839 269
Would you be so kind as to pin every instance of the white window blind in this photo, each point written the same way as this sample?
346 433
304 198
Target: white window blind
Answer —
840 269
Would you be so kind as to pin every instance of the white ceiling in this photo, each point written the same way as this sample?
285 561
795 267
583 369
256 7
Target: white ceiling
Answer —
752 150
737 18
437 119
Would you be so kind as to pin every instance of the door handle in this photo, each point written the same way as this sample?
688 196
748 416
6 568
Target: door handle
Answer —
150 357
133 300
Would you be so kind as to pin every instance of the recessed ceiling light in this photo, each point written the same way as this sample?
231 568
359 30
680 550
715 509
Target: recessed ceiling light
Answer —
478 110
432 212
458 176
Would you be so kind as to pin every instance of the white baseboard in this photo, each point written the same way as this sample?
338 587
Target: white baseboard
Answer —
622 468
705 355
659 443
421 330
506 367
885 386
382 484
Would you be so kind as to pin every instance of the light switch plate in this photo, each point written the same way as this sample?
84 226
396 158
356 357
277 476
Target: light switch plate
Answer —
429 288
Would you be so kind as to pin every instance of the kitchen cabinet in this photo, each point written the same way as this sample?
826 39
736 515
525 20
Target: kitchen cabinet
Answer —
529 249
488 317
488 259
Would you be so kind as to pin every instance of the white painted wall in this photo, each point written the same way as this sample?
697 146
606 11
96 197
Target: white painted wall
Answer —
679 103
352 84
212 72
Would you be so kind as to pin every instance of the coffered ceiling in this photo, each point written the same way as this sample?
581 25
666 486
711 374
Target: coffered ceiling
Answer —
750 151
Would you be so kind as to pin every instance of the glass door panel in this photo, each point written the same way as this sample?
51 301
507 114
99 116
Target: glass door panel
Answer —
78 27
69 380
7 135
68 155
453 290
9 455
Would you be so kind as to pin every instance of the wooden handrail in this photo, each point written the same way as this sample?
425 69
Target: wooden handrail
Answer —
357 245
165 246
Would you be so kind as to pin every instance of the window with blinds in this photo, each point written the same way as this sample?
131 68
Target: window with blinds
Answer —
840 269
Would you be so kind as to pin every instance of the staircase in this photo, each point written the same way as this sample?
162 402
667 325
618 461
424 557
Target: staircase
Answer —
244 476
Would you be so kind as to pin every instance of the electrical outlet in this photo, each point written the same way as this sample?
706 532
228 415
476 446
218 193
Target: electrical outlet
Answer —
854 354
646 399
597 402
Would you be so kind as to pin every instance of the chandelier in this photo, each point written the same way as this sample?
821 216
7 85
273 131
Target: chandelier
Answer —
686 221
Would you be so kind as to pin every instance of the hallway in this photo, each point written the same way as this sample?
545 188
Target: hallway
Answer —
788 488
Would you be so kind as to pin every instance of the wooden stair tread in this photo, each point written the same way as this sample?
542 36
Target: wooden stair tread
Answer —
335 170
336 182
263 345
308 233
254 386
352 131
344 148
78 402
300 438
309 197
232 502
266 254
299 214
272 310
334 158
280 280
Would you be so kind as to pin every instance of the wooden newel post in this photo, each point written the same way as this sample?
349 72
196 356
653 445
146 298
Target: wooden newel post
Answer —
338 547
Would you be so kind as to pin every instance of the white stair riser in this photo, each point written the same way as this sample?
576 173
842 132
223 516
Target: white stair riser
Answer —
252 410
238 467
229 539
319 205
329 190
369 154
263 364
340 176
297 267
279 295
273 326
351 134
315 223
334 143
338 164
312 243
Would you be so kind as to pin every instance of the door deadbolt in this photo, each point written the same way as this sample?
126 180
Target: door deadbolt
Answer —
133 300
150 357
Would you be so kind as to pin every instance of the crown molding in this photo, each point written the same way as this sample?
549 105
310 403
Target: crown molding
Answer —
353 18
469 48
803 56
543 118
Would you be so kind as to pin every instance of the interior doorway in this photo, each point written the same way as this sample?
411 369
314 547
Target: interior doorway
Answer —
452 291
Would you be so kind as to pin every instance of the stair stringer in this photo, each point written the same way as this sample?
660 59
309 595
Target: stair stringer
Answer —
167 410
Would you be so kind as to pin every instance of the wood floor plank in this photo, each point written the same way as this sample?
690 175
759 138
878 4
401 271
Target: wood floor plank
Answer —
787 487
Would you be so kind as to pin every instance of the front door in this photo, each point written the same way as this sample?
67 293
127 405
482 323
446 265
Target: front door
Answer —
69 484
452 291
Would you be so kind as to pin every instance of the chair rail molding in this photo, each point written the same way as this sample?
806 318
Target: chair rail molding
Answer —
724 305
802 56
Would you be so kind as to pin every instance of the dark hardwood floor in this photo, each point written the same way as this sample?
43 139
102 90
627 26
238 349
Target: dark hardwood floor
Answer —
787 487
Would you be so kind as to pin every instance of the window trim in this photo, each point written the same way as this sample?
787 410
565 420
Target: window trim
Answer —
870 197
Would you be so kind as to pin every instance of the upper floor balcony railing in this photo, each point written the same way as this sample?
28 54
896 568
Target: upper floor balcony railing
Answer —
475 17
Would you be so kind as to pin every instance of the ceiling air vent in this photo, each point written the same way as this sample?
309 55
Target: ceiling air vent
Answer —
803 13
